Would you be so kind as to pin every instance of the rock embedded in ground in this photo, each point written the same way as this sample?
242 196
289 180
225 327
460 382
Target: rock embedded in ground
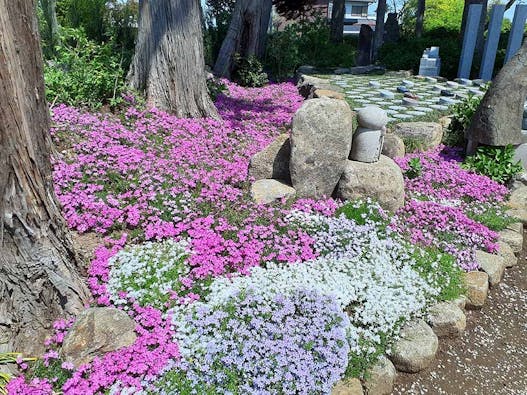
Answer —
445 122
330 94
272 161
493 265
381 181
347 387
267 191
393 146
505 251
512 238
477 284
516 227
416 347
428 134
307 85
520 214
380 378
518 198
320 145
447 319
460 301
97 331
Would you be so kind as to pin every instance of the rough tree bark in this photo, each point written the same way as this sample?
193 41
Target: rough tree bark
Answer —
247 34
498 119
168 65
379 28
420 17
336 32
39 271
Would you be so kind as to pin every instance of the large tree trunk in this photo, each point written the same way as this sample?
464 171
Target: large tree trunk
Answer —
379 28
336 33
247 34
498 119
169 66
420 16
39 278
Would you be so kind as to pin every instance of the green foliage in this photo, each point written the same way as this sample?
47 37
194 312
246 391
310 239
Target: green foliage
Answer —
215 87
442 270
445 14
361 211
216 24
54 372
84 73
8 358
462 114
359 363
494 162
415 168
493 217
306 42
249 71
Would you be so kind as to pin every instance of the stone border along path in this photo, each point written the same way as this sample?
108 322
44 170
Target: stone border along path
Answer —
439 357
386 91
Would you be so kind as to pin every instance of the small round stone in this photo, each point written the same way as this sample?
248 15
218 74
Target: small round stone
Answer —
372 117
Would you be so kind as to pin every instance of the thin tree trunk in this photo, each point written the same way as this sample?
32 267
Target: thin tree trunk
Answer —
336 33
49 7
39 271
498 119
379 28
247 34
420 16
480 42
169 66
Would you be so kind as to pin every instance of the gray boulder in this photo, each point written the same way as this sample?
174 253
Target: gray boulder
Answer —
347 387
512 238
272 161
97 331
447 319
393 146
381 181
506 252
320 145
416 347
428 134
380 378
267 191
493 265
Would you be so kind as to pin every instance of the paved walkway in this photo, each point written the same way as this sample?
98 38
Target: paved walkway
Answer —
491 357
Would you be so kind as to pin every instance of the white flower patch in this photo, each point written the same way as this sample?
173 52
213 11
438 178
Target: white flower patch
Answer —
148 272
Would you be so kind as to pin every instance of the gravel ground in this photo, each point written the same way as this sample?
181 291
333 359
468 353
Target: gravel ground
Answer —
491 356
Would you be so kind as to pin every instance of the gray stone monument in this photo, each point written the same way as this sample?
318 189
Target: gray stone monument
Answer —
391 29
469 41
430 64
516 34
491 45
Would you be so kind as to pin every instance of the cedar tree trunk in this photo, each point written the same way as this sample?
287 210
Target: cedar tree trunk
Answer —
169 65
247 34
39 271
379 28
420 16
498 119
336 32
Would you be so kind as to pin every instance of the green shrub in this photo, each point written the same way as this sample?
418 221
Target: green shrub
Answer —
215 87
283 55
84 73
494 162
249 71
462 114
415 168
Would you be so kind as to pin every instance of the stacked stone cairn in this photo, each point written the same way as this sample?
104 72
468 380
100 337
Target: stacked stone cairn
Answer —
323 157
430 64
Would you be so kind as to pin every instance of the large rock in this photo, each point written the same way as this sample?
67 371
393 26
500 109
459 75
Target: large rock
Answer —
347 387
518 198
512 238
393 146
477 284
267 191
416 347
97 331
505 251
381 181
380 378
493 265
428 134
447 319
330 94
320 145
272 161
307 85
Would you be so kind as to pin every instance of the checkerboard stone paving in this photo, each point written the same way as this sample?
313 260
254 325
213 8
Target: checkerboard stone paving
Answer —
423 94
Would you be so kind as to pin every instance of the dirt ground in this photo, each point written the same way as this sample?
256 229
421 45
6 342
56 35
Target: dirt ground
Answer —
491 356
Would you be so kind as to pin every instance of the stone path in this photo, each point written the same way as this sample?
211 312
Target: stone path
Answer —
491 356
387 92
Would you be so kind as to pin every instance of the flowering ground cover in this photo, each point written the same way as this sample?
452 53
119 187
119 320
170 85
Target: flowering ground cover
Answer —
231 297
